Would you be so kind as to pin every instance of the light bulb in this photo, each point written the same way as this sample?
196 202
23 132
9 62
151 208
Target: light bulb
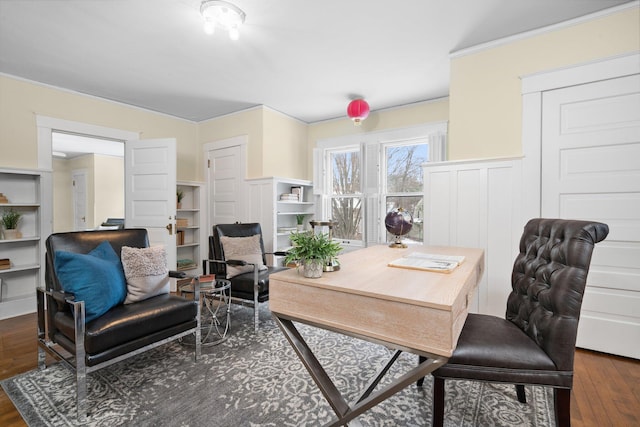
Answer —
234 33
209 26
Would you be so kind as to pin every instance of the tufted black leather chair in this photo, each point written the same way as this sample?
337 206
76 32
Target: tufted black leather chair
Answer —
122 332
535 343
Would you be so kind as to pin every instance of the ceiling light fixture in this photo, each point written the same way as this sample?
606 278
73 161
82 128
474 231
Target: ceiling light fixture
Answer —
358 110
222 14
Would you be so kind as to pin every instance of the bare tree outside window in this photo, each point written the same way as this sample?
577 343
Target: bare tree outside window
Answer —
404 184
402 187
346 200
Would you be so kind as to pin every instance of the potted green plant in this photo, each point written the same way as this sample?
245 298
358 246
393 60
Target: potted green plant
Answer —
300 222
179 197
312 251
9 220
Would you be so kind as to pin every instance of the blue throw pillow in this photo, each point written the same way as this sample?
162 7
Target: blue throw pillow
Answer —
97 278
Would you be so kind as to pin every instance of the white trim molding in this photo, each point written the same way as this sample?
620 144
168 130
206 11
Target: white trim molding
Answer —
539 31
476 203
45 125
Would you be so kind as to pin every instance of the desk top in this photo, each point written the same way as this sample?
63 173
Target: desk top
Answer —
421 311
366 272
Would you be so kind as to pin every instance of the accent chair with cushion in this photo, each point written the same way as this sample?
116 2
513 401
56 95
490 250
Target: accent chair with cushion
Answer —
535 342
236 252
106 298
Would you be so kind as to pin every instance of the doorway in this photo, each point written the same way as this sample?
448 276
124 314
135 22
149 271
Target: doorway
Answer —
605 172
591 170
45 129
88 181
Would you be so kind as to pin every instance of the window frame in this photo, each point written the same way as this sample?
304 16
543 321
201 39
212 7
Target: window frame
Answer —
327 207
435 134
384 175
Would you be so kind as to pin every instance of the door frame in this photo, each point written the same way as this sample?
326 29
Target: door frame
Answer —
533 87
45 125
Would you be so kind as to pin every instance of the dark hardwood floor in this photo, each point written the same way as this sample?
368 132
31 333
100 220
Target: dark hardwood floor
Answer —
606 390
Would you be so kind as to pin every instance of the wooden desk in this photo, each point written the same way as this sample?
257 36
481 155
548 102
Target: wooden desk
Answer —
407 310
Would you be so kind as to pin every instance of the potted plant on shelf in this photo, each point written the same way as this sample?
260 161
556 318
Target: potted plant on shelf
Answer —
312 251
9 220
179 197
300 222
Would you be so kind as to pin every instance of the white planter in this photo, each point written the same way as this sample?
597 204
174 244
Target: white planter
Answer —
11 234
313 268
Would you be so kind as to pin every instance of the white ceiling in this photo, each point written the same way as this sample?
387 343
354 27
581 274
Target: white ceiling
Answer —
304 58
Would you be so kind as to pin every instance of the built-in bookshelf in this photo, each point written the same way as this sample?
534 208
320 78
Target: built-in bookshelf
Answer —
22 192
277 203
190 234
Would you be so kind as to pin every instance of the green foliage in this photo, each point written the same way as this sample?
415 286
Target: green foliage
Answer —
180 195
300 219
10 219
308 245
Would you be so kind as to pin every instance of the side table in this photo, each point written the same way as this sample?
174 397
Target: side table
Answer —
215 300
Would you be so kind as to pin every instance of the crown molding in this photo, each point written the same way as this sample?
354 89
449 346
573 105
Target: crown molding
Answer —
543 30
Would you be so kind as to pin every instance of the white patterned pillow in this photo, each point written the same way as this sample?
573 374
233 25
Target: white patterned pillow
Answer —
146 272
245 249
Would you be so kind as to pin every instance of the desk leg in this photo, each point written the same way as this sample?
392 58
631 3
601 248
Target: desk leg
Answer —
368 399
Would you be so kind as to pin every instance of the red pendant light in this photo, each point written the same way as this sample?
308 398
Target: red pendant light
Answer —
358 110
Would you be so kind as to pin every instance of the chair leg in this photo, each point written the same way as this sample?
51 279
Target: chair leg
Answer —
256 314
81 366
256 286
81 393
522 397
198 334
42 328
562 400
438 402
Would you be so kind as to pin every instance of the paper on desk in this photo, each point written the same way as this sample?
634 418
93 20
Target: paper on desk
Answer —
428 262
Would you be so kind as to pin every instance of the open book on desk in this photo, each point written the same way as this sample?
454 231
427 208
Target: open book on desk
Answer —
428 262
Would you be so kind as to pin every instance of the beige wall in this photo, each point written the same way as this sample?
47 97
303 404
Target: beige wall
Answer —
105 190
483 110
285 150
248 122
277 143
108 189
485 92
21 101
393 118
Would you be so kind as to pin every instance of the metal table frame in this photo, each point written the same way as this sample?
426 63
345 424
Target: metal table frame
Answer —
346 411
213 295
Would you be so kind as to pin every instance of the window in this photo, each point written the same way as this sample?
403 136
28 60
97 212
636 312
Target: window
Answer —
346 194
360 178
402 181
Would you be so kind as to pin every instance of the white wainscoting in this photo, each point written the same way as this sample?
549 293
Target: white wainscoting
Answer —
478 204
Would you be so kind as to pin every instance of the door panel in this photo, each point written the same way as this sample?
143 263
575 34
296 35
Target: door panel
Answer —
79 179
150 191
226 178
591 170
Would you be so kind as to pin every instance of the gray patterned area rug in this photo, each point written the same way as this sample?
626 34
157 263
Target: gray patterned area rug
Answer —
257 380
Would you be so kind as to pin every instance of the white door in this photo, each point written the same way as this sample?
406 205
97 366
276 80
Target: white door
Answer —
591 170
79 190
150 191
226 180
